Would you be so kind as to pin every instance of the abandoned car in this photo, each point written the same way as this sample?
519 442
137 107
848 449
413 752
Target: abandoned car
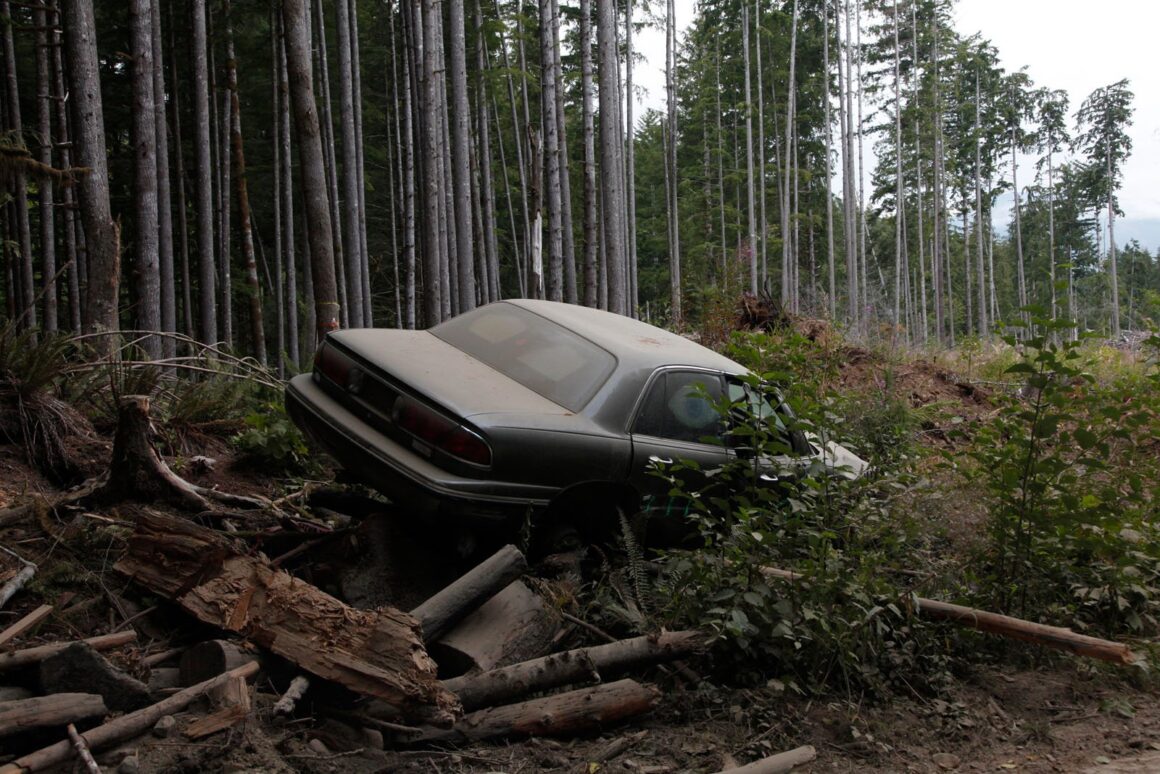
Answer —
527 409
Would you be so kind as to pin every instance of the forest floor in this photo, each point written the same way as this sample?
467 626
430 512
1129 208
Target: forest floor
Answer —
1020 710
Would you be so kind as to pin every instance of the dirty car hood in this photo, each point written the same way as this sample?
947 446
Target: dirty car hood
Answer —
444 374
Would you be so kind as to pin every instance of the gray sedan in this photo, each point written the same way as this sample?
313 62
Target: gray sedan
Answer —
523 410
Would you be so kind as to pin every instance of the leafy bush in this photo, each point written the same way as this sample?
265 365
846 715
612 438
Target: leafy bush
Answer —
272 441
843 622
1069 470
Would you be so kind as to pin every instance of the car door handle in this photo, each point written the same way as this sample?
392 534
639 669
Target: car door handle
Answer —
660 460
769 479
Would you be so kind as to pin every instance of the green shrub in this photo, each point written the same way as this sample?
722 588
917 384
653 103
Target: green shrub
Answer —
273 442
843 623
1069 470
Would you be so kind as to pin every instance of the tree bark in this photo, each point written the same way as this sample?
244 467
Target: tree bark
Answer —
56 710
102 239
147 273
351 242
564 714
499 686
611 134
460 116
439 613
45 204
317 211
377 653
203 180
241 186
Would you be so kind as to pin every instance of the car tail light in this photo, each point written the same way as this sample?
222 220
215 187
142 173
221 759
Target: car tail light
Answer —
431 427
332 364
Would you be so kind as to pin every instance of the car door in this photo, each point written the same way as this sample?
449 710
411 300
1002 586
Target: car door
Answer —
678 418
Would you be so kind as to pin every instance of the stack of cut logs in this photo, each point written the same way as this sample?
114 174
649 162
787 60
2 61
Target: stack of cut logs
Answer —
371 669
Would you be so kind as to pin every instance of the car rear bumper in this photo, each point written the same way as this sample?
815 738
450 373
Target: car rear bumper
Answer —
398 472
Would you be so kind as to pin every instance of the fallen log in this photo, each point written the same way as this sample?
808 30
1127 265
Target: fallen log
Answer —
28 656
1040 634
574 666
372 652
124 727
564 714
513 626
442 611
25 624
777 764
233 701
56 710
1006 626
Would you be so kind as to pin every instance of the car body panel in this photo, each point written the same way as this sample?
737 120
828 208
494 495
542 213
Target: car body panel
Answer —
539 449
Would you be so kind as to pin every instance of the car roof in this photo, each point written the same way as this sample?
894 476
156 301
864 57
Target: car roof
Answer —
635 344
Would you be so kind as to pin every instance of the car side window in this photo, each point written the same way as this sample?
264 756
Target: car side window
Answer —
682 406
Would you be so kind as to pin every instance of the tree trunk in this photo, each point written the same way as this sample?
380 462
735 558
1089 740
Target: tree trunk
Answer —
751 219
982 311
286 193
789 288
317 211
433 245
568 246
179 168
360 164
461 158
490 263
899 201
630 162
68 193
257 327
1113 279
45 204
671 165
408 174
554 290
591 240
833 300
24 271
349 199
102 238
207 270
611 135
164 190
147 277
1025 316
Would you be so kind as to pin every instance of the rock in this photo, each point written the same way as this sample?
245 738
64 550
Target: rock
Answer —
11 693
80 669
373 738
129 765
164 726
946 761
319 747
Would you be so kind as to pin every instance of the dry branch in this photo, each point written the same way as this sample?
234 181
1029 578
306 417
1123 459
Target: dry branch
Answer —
373 652
82 749
16 583
777 764
124 727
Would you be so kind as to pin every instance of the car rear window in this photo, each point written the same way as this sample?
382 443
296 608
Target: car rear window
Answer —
541 355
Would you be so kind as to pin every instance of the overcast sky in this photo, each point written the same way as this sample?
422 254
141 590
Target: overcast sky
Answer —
1064 44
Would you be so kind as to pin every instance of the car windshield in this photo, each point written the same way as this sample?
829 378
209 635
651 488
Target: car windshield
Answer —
539 354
